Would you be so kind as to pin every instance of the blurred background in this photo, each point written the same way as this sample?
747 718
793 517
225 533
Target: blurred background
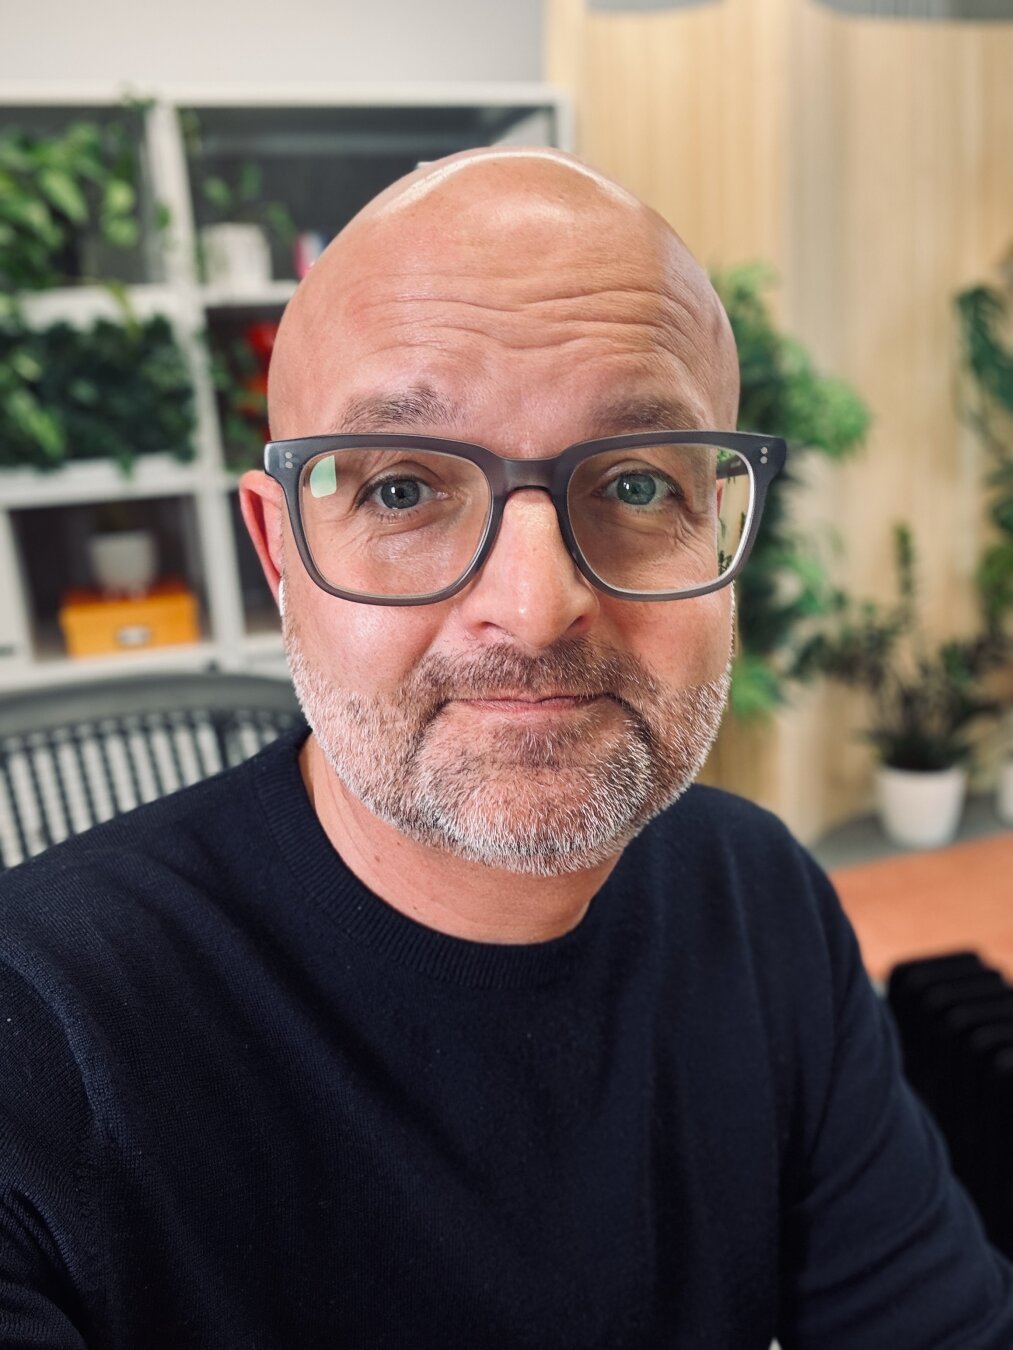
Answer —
844 169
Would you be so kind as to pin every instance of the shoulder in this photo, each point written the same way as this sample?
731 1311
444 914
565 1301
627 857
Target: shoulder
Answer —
728 880
726 841
121 885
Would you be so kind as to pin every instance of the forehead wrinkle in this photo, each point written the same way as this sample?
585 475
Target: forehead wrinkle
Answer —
429 321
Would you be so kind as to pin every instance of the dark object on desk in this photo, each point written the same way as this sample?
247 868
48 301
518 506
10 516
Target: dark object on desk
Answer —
909 979
954 1017
73 756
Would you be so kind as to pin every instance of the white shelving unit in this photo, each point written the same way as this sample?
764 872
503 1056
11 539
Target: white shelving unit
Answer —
323 153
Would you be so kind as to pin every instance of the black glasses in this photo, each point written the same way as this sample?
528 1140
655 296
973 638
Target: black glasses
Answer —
409 520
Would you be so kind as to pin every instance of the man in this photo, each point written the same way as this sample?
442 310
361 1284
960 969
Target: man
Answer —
410 1033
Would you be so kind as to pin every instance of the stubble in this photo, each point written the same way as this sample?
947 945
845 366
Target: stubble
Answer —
546 799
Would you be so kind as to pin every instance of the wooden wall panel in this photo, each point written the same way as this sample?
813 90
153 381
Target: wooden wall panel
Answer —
872 162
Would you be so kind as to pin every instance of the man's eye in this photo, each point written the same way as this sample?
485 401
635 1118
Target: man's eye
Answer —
398 494
638 487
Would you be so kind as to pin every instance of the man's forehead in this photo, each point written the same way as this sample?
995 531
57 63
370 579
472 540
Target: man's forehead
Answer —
400 284
421 407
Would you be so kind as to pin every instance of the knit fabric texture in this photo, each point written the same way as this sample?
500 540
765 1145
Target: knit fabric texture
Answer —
247 1105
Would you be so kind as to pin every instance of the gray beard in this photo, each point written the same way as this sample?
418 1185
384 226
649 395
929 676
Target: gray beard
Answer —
540 801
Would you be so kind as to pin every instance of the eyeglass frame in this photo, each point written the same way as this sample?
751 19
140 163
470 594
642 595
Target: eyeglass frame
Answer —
284 461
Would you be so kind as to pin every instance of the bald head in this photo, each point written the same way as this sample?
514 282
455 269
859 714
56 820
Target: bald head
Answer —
492 252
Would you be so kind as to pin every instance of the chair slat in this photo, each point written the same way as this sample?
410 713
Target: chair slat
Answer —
71 758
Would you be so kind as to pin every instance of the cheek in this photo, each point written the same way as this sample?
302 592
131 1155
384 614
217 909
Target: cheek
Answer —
360 648
682 642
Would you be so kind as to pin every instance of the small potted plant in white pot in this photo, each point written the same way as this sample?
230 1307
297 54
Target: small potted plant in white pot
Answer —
923 700
235 246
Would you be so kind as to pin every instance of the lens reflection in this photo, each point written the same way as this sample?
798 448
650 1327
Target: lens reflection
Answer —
655 519
395 523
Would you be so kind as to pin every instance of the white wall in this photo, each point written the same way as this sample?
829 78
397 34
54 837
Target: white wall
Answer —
155 42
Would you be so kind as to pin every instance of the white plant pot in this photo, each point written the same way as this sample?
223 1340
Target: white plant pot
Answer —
1004 791
920 810
237 257
124 563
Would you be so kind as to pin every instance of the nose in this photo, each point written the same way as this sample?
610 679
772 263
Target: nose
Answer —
529 588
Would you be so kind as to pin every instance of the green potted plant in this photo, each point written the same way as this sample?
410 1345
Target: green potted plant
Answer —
235 247
113 391
923 699
57 192
785 591
984 316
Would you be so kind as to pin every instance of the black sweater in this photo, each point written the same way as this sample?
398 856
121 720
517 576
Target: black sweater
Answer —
246 1104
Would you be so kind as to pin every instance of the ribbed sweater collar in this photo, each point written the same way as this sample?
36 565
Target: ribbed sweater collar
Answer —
374 924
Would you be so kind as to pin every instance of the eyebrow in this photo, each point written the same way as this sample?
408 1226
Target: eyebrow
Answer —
421 406
406 409
620 416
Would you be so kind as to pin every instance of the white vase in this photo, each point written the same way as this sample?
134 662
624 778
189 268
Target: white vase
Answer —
236 257
124 563
920 810
1004 791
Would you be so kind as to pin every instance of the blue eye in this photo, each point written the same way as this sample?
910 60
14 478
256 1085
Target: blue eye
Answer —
399 493
639 487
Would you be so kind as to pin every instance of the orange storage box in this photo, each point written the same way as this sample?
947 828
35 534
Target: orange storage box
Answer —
94 624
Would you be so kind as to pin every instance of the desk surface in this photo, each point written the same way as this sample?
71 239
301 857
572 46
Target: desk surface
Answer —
919 904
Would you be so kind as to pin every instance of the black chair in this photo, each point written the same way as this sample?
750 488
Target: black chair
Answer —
954 1016
78 754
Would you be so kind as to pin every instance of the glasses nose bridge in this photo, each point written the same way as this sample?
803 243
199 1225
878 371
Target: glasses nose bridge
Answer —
516 474
520 475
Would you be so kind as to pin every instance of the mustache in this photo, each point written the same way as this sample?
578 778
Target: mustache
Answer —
571 668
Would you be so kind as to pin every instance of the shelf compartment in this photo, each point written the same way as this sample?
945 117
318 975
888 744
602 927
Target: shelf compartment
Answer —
82 305
52 665
324 163
97 481
51 543
90 255
274 295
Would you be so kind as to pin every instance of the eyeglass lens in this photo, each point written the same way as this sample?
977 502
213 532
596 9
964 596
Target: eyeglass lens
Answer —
407 523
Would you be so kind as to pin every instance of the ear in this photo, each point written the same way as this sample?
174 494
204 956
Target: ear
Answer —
263 507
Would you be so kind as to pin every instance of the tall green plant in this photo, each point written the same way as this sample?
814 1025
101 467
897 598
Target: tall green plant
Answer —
984 315
785 587
57 187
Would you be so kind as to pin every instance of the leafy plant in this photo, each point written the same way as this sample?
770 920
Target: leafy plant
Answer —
237 196
985 400
785 589
114 391
986 404
239 381
923 698
242 199
55 189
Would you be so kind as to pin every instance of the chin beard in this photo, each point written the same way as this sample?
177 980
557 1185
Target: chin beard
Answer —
536 800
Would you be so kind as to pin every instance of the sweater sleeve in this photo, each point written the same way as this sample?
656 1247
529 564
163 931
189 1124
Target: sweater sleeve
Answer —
882 1247
45 1178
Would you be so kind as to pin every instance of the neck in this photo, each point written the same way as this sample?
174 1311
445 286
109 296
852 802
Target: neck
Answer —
434 887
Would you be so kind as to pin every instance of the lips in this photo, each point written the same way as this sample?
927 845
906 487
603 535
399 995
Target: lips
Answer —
527 703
